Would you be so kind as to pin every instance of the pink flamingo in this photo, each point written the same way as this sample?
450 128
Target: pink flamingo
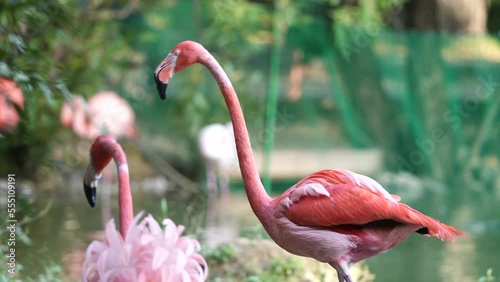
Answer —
10 94
141 251
334 216
105 112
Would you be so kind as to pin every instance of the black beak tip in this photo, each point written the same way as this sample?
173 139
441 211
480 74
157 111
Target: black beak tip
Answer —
90 193
161 87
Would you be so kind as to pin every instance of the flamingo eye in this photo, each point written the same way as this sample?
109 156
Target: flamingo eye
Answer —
174 54
8 103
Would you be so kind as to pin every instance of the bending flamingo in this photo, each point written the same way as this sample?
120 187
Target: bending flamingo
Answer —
335 216
10 94
141 251
104 113
217 148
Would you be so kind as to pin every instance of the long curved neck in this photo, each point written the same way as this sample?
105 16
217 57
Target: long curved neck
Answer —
256 193
125 204
126 207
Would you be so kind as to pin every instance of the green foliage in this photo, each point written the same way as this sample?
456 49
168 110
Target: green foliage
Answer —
221 254
254 232
29 32
282 270
164 208
493 22
489 276
25 213
239 22
359 25
53 273
52 49
262 261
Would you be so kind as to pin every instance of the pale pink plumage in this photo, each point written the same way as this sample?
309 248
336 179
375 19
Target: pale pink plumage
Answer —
148 253
142 250
10 95
334 216
104 113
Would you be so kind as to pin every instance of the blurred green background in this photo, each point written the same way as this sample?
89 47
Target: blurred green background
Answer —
415 81
349 73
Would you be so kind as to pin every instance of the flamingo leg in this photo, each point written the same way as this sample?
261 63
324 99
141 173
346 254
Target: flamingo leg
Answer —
211 181
223 175
224 182
342 271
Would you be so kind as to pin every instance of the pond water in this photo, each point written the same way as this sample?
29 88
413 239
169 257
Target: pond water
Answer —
62 235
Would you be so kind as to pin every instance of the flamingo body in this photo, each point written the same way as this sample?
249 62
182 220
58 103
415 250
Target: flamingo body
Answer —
105 112
10 95
340 217
334 216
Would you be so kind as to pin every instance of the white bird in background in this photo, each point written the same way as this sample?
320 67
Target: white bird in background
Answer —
218 150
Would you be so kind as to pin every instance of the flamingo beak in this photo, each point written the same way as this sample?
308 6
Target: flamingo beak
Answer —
90 194
90 181
161 87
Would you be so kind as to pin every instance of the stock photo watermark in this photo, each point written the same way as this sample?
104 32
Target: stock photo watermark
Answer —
11 224
283 119
366 33
484 91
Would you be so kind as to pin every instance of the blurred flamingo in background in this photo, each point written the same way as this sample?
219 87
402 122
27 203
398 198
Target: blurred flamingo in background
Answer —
334 216
104 113
141 251
217 148
10 94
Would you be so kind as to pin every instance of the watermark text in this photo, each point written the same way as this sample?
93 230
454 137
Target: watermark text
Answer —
11 224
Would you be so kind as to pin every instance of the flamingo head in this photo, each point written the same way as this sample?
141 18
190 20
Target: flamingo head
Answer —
100 155
182 56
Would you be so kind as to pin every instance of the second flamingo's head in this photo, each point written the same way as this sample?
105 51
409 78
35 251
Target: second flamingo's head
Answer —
182 56
101 153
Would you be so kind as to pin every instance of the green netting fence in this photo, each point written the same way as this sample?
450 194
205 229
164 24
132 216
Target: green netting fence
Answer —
429 100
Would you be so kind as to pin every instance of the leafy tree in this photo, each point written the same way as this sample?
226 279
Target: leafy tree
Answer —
53 49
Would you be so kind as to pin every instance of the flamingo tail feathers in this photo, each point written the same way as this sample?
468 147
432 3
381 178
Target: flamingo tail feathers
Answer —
433 227
443 232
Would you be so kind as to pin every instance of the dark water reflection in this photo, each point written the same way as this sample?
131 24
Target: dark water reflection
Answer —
63 234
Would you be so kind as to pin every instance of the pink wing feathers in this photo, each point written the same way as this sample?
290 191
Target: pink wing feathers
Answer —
346 198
